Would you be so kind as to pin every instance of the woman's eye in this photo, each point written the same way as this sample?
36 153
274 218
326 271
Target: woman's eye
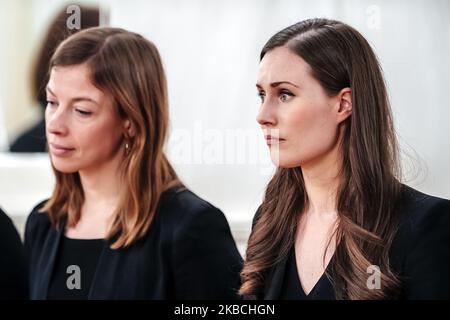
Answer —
261 95
285 95
83 113
51 103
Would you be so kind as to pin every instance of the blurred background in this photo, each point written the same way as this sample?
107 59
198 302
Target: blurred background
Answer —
210 51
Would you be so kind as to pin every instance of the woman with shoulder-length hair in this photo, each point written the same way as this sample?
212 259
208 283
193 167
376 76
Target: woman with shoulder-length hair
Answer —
336 222
120 224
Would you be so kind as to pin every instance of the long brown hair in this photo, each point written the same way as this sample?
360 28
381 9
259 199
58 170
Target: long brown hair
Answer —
339 57
128 67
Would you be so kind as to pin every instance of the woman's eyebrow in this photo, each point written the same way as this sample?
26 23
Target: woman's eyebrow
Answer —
84 99
276 84
49 90
77 99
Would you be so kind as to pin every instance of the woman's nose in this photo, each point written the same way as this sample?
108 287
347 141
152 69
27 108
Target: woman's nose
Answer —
55 122
266 115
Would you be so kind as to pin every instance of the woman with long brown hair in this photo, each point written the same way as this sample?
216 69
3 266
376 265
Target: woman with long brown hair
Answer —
120 224
336 222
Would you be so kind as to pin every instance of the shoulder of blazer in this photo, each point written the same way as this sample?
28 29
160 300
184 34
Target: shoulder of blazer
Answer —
8 233
420 209
4 218
421 251
180 210
192 228
37 223
425 222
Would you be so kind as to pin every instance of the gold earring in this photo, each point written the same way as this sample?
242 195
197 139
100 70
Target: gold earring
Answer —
127 147
347 106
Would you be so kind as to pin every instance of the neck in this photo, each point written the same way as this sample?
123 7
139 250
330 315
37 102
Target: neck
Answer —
101 185
322 178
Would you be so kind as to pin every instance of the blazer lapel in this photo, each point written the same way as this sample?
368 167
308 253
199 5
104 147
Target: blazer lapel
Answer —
103 280
275 283
47 262
103 283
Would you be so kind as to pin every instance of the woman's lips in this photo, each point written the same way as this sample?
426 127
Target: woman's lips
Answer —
271 140
59 150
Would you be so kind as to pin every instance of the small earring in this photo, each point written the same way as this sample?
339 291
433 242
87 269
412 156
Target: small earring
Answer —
127 147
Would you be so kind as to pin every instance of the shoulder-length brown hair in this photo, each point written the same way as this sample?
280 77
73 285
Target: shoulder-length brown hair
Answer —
339 57
128 67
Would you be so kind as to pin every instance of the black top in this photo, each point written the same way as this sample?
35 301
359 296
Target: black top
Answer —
292 287
188 253
419 255
13 273
74 268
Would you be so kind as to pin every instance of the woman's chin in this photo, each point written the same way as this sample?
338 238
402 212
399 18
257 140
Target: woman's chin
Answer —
282 158
64 168
283 162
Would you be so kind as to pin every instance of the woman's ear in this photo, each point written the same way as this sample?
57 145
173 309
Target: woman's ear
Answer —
129 129
345 104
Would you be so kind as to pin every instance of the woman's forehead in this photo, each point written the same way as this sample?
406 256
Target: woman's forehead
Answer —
72 81
282 65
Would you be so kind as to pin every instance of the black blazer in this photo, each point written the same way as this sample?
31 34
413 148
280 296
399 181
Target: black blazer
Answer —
188 253
420 253
13 273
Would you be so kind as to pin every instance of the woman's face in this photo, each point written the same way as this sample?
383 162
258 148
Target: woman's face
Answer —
300 121
84 131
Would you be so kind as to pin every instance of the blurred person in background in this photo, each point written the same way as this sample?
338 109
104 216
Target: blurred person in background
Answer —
33 139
